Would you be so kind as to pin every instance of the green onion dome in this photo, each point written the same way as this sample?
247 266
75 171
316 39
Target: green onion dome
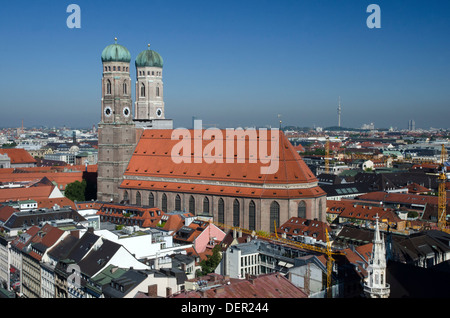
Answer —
149 58
116 53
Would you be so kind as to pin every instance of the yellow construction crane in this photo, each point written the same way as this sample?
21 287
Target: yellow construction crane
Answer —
327 155
275 238
442 194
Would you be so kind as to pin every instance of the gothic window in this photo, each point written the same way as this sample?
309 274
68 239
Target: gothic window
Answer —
118 68
178 203
138 198
251 216
221 210
192 205
114 68
108 87
142 90
124 88
125 196
301 210
157 91
274 216
206 205
236 212
151 200
164 203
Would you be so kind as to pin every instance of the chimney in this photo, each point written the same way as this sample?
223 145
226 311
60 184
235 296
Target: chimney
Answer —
168 291
152 290
219 290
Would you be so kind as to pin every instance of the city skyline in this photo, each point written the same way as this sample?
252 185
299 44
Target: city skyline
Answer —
239 63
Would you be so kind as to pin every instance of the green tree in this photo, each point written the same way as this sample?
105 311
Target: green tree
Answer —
75 190
210 264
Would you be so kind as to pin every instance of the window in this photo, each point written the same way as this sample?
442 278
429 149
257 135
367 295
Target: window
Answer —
157 91
192 205
252 216
178 203
108 87
138 198
125 196
274 216
125 88
164 203
151 200
236 212
118 68
206 205
142 90
221 211
301 210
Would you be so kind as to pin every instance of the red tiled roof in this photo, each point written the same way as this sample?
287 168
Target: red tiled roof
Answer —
150 217
25 193
50 202
18 155
296 226
273 285
5 212
152 158
352 210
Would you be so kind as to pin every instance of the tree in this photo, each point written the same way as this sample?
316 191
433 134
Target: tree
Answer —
210 264
75 190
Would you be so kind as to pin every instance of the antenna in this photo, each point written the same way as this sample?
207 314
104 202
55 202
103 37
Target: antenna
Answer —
339 110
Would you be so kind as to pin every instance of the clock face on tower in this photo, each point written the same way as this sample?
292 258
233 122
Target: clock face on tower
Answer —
159 112
108 111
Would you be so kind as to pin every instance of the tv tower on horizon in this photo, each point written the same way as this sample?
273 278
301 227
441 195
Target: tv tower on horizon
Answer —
339 110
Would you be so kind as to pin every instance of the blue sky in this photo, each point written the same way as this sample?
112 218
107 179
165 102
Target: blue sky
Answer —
234 63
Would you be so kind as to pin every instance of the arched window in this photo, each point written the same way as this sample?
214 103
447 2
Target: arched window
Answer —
125 88
164 203
108 87
206 205
125 196
151 200
142 90
157 91
192 205
221 211
236 212
274 216
301 210
118 68
178 203
138 198
251 215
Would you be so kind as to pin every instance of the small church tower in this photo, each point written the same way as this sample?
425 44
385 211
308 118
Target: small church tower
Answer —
375 285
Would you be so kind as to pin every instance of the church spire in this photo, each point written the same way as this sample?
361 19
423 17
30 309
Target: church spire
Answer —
375 285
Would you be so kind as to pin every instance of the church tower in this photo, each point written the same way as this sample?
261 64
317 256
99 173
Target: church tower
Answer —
116 135
375 285
149 104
